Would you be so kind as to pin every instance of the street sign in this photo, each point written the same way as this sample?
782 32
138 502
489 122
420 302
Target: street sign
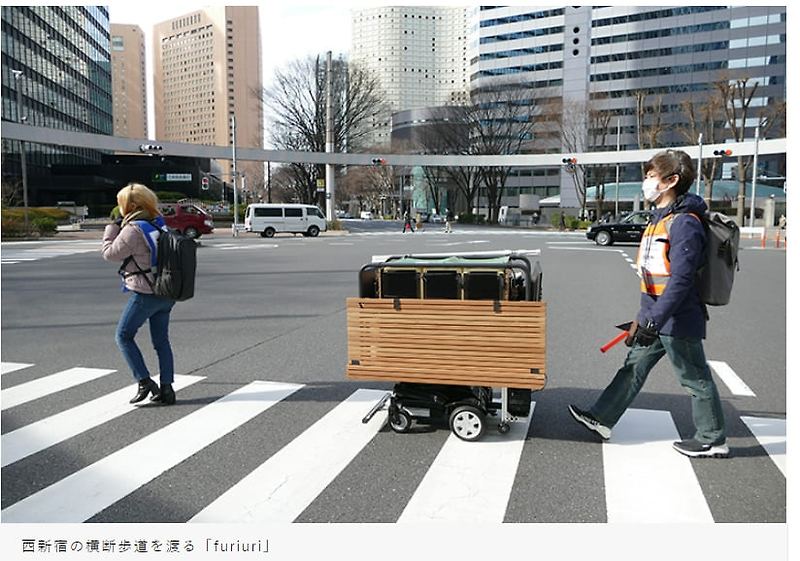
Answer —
320 184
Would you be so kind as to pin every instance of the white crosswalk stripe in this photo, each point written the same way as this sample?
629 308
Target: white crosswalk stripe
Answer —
8 367
37 436
41 387
643 478
22 252
88 491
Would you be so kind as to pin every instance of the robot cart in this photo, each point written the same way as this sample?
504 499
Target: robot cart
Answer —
447 329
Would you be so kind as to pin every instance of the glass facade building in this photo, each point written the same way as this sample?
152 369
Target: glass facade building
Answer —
609 58
63 53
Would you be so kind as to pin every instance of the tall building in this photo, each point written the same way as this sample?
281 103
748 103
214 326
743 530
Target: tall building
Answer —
610 56
128 80
58 59
207 68
417 53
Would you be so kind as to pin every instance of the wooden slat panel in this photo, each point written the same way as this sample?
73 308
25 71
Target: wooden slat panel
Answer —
464 342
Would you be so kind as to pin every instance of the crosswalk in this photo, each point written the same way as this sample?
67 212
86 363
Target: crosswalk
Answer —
24 252
470 482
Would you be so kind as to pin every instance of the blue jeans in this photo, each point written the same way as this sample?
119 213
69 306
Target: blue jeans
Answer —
689 362
140 308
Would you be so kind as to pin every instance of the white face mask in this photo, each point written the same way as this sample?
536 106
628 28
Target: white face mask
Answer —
650 189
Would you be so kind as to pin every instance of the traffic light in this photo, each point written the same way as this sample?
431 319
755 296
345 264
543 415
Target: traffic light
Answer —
726 152
569 161
204 184
378 162
150 148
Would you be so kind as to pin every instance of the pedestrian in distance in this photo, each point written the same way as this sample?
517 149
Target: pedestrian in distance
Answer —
672 318
448 220
124 241
407 222
562 221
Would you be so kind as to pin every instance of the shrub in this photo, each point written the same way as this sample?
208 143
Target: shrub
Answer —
45 225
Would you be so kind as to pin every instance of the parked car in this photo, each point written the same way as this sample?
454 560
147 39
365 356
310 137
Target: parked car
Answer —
629 229
192 220
343 214
366 215
436 218
268 219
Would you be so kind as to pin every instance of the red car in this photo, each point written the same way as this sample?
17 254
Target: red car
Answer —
189 218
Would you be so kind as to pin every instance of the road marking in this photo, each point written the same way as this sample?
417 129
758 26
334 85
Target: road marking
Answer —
771 434
27 440
470 481
725 373
489 253
282 487
47 385
85 493
460 243
7 367
645 479
340 243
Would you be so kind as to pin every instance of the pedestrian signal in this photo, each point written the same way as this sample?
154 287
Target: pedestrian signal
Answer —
204 184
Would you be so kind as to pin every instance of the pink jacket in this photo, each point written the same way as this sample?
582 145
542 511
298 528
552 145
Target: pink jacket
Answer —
119 244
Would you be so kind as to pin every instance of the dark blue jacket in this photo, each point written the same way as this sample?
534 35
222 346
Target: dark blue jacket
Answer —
679 311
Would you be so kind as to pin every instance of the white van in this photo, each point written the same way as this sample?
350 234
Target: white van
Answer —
270 219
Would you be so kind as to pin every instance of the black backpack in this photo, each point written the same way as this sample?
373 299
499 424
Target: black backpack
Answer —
721 261
173 261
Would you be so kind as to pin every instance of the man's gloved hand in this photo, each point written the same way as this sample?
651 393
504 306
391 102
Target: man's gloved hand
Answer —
631 338
646 334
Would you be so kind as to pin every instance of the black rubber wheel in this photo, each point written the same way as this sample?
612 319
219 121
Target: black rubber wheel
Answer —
400 421
268 233
313 231
503 428
603 238
467 422
191 233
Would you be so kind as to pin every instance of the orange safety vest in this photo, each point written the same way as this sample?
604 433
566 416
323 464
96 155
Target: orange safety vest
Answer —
652 262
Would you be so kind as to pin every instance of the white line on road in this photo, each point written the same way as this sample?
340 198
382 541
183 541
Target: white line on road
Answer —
86 492
282 487
7 367
725 373
470 482
35 437
771 434
340 243
47 385
645 479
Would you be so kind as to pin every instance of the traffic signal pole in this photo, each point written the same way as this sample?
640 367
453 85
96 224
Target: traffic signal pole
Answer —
330 186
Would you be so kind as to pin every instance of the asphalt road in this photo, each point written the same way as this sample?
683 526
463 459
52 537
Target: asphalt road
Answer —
273 310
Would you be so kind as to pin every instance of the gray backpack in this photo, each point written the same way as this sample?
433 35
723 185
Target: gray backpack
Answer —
715 275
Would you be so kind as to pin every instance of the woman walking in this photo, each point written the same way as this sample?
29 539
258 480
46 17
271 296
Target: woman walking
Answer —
124 241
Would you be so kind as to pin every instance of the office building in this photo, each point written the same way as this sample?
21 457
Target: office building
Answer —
128 80
58 58
418 55
207 66
608 57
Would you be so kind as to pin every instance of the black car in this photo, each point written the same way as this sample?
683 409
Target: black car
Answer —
629 229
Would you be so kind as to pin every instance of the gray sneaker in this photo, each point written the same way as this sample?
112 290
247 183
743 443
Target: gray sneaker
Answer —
695 449
590 422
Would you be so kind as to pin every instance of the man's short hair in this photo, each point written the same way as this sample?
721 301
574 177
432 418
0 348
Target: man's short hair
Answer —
673 162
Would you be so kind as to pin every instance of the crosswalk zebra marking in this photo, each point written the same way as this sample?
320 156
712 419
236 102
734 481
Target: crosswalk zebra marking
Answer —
725 373
645 479
282 487
28 440
8 367
41 387
470 481
83 494
771 435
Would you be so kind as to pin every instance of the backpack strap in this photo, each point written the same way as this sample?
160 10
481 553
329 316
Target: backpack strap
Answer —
151 231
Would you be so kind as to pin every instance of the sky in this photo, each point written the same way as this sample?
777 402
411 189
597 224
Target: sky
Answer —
288 31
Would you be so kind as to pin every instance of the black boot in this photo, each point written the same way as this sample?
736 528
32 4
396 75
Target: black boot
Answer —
146 386
166 396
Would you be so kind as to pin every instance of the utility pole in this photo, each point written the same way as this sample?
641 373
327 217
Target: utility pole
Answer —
753 187
233 177
699 161
616 197
330 186
22 156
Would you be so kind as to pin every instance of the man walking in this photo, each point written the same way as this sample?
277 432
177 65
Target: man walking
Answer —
448 221
407 222
671 318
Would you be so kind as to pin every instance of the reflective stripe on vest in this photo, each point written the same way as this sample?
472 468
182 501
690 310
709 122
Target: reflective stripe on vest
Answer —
653 259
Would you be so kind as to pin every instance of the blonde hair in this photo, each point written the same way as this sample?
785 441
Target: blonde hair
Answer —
136 196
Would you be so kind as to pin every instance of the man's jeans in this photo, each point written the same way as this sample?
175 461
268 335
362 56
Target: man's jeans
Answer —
140 308
689 363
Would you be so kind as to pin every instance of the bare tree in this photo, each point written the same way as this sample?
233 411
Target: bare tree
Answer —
598 137
571 118
649 121
296 105
736 95
707 118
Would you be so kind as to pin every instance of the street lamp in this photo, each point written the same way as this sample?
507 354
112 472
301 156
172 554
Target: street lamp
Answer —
22 162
